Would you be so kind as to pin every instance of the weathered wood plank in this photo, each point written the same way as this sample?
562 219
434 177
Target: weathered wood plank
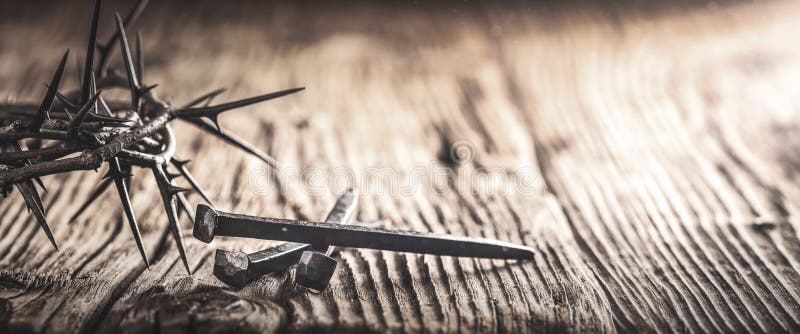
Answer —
682 231
661 141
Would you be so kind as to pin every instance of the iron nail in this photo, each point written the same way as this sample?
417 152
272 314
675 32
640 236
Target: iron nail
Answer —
316 267
210 222
239 268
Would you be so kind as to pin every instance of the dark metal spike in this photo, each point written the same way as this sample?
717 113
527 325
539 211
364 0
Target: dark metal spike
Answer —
52 91
206 97
170 208
133 82
105 50
76 122
220 108
99 190
231 139
89 64
209 223
119 180
34 203
181 166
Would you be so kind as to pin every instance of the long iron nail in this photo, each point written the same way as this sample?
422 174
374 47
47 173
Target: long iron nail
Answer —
209 222
239 268
315 267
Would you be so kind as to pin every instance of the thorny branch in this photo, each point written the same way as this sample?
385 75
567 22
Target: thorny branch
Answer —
79 130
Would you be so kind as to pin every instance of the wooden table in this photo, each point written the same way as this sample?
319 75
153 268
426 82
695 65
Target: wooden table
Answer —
649 153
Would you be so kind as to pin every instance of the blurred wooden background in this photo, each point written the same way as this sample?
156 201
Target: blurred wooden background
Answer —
663 139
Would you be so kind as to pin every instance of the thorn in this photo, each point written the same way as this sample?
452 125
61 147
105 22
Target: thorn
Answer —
208 102
122 190
105 51
181 166
18 146
67 103
92 84
170 207
114 173
147 89
40 183
207 98
186 207
99 190
133 82
220 108
52 91
180 163
75 124
215 120
140 58
34 203
90 49
176 190
79 70
231 139
105 107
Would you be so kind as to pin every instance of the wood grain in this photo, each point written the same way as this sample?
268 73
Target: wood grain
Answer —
663 140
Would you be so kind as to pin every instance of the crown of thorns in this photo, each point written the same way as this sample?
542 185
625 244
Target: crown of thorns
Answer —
79 130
